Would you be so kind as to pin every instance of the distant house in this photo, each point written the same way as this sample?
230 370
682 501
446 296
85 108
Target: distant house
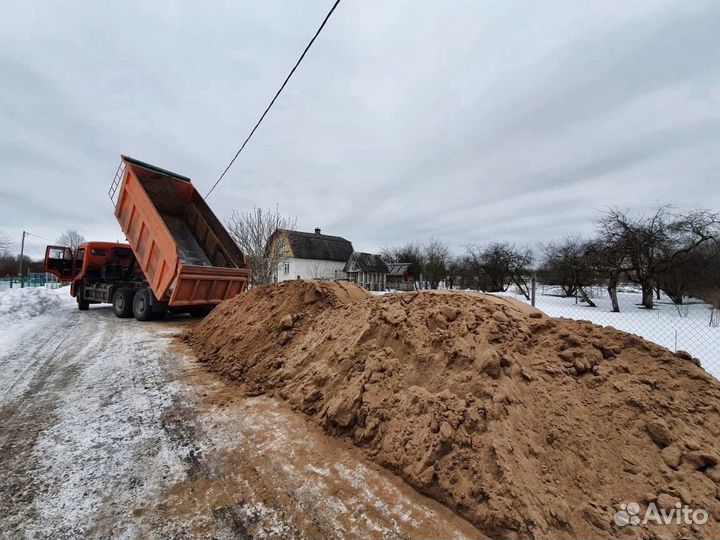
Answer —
305 255
400 277
367 270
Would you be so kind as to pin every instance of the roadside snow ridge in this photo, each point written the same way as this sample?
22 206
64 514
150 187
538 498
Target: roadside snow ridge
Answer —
31 302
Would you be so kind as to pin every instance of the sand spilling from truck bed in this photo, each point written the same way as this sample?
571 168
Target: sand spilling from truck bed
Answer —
526 425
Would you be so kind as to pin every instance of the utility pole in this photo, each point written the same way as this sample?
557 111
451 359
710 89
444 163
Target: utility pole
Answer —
22 254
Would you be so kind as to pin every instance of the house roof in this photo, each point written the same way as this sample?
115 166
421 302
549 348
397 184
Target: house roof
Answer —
367 262
310 245
398 269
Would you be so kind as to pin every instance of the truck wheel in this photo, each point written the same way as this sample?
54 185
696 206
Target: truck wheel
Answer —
141 305
83 305
123 302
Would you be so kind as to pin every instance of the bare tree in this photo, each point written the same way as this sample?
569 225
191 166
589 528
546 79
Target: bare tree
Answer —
409 253
251 232
567 263
608 260
315 270
705 282
457 273
473 263
500 264
519 266
689 263
8 264
494 260
649 245
436 255
683 274
71 239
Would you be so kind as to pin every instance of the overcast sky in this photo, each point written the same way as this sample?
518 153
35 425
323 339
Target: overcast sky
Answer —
463 121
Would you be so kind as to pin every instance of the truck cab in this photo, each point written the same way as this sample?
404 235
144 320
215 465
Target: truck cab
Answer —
95 270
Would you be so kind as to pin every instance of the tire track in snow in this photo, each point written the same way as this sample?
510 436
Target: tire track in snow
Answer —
15 365
107 453
25 417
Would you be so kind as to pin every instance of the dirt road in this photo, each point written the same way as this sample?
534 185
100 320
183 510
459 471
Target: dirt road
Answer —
108 428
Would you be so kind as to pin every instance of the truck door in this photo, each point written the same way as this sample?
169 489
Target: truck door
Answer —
59 261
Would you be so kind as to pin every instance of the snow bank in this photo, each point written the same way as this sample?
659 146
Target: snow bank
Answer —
687 328
24 311
31 302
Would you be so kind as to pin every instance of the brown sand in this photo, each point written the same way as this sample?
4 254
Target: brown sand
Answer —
526 425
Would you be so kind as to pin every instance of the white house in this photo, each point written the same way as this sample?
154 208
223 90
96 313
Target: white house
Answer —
304 255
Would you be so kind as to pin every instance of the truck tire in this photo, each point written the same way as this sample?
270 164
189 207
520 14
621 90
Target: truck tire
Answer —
122 303
141 307
83 305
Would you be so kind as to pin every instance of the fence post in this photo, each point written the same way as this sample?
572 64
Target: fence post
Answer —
22 255
533 285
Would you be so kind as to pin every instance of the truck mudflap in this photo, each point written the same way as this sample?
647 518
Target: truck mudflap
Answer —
202 285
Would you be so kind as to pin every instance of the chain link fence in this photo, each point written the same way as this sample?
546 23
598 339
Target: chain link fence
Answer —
693 326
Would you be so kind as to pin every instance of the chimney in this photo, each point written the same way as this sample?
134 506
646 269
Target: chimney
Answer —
317 230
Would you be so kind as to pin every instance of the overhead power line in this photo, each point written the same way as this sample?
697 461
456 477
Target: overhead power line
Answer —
37 236
272 102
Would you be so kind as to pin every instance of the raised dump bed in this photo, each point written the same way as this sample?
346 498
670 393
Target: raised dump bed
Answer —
185 253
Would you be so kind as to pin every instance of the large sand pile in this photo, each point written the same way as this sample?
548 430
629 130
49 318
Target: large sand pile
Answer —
526 425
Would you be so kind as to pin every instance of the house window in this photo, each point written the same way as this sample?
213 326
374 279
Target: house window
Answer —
286 268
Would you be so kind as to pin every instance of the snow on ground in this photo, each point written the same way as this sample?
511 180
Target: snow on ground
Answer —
24 315
687 328
5 285
101 453
28 302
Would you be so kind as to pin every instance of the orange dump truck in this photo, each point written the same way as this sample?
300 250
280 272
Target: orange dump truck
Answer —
178 255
